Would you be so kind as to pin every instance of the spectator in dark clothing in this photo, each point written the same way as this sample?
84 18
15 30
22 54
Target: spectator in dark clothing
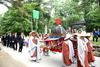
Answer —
21 41
15 41
95 36
10 40
7 40
4 40
13 37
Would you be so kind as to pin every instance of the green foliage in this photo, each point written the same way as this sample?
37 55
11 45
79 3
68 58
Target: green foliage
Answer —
90 13
19 16
94 17
12 22
72 19
17 20
29 7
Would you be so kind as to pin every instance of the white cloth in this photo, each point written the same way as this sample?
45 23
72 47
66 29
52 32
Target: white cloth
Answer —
15 36
81 48
32 47
81 51
93 64
71 50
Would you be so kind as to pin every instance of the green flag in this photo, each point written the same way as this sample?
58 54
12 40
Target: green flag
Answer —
35 14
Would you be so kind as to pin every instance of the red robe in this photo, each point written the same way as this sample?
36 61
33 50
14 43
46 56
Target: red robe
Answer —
90 53
86 61
65 51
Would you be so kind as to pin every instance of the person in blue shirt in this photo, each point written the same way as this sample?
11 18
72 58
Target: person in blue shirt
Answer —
95 35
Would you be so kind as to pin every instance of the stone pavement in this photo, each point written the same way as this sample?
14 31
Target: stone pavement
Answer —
54 60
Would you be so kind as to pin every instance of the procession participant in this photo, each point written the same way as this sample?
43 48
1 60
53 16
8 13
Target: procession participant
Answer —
46 51
74 41
45 36
67 52
40 37
91 58
34 47
82 60
21 41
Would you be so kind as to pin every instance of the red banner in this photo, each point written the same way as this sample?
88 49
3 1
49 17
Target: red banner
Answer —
57 21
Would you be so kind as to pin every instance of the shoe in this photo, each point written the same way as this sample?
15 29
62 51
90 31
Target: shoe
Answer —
37 61
33 60
93 66
0 48
63 66
19 51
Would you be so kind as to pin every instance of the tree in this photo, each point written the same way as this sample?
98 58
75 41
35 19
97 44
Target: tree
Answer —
68 12
18 19
19 16
93 17
86 6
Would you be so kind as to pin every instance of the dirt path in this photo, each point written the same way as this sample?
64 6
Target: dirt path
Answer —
7 61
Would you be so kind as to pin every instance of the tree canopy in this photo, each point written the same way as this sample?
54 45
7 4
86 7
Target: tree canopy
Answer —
19 19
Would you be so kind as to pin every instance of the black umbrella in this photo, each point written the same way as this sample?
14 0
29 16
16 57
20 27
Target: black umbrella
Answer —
59 30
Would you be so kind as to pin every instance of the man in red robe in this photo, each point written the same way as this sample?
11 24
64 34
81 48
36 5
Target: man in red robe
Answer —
91 58
67 52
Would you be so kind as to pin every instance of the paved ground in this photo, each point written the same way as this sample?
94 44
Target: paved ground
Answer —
54 60
7 61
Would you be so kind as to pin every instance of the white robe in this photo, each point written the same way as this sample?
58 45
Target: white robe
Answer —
81 49
32 47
